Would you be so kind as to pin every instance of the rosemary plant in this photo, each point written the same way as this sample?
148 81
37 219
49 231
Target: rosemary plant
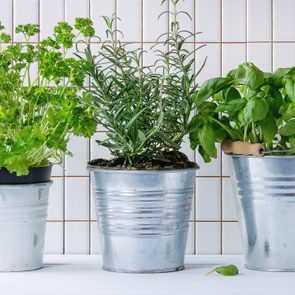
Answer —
146 110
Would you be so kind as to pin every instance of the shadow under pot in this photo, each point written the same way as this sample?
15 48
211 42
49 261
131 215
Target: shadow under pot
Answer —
265 187
143 217
23 214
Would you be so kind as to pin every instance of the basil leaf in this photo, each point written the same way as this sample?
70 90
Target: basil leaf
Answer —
231 106
277 77
226 270
207 138
211 87
290 89
255 110
269 128
287 111
254 78
231 94
288 129
292 143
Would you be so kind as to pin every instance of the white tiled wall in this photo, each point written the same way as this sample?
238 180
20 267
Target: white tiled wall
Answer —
262 31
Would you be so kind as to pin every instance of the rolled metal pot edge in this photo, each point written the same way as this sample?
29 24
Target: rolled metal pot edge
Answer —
111 170
18 186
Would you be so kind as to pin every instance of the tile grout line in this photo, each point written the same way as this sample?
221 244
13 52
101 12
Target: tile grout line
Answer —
141 30
272 34
190 42
64 172
13 21
246 28
221 163
190 221
195 158
89 180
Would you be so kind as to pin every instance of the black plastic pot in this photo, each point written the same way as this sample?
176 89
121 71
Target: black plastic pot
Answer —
36 175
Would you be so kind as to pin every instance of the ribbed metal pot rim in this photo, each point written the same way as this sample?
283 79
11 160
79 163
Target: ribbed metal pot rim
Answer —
19 186
138 171
266 156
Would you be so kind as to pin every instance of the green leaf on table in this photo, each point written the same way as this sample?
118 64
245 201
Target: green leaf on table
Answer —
225 270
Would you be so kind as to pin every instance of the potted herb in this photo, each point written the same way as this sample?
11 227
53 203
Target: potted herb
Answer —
37 113
257 112
143 195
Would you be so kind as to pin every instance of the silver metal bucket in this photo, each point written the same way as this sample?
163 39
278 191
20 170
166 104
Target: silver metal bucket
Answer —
23 212
266 189
143 218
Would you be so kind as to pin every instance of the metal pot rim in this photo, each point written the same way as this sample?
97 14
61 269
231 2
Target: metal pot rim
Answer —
266 156
20 186
137 171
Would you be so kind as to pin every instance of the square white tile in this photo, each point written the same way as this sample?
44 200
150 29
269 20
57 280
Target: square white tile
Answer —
77 198
6 15
283 55
229 201
56 200
76 8
25 11
130 26
208 20
92 203
186 23
58 170
76 165
259 20
226 165
260 55
283 20
77 238
98 151
208 238
190 239
208 199
95 242
232 56
209 169
151 56
234 20
185 148
153 26
54 238
51 12
98 9
231 238
212 66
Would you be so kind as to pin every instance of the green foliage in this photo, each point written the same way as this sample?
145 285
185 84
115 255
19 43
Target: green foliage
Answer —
37 112
226 270
253 106
146 110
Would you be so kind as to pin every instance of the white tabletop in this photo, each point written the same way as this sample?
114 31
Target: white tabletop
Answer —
82 275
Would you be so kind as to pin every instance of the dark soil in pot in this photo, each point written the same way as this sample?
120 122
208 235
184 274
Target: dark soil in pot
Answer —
36 175
170 161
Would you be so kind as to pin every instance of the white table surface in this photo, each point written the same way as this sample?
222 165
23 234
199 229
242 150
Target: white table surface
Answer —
82 275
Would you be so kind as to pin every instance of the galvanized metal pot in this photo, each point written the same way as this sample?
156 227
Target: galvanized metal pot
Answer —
143 218
266 192
23 212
